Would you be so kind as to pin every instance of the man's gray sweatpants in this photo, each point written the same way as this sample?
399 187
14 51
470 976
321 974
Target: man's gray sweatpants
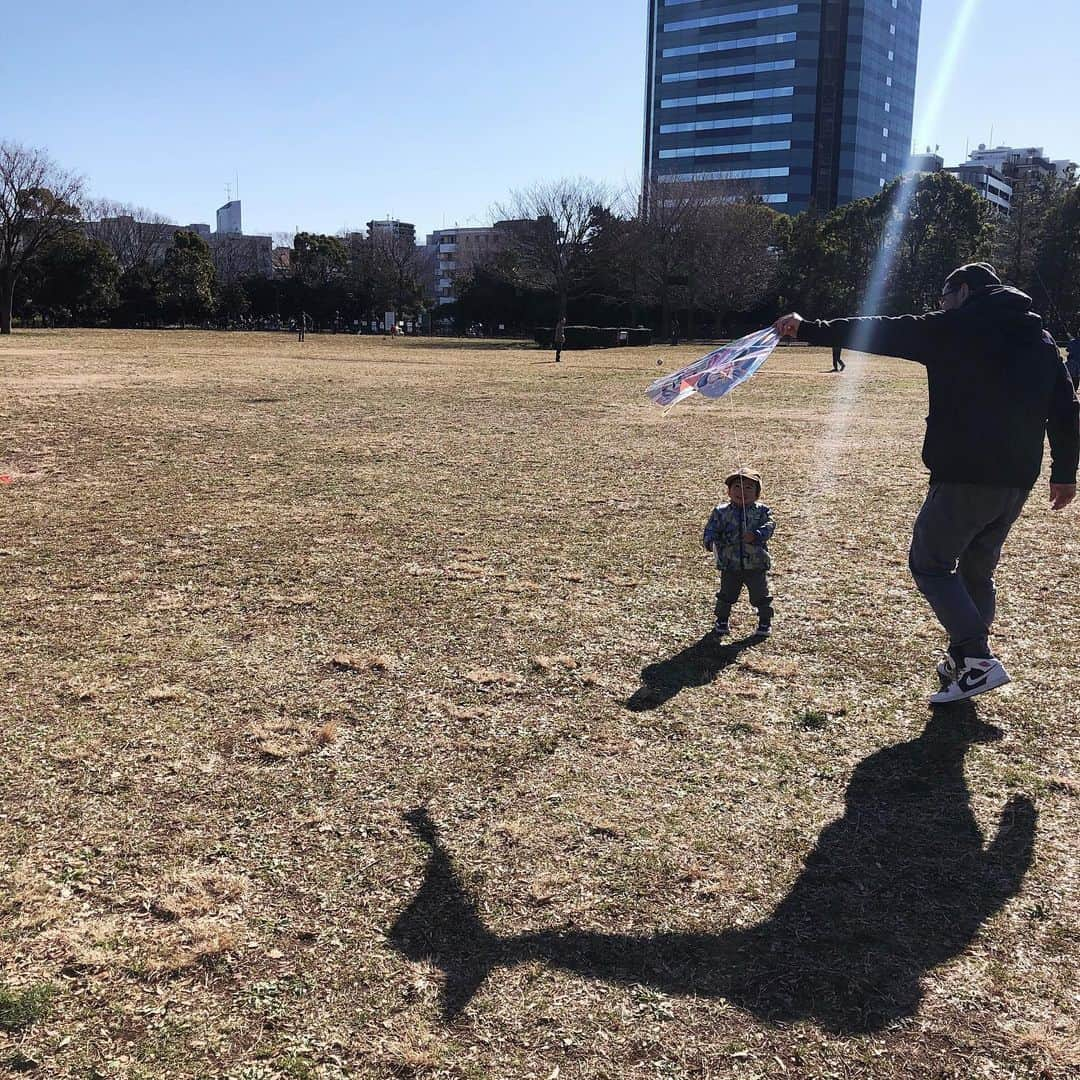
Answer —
954 551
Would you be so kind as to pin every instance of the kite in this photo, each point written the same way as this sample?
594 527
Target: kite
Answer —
717 373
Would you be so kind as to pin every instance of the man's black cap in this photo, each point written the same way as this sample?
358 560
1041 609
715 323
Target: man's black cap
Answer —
975 276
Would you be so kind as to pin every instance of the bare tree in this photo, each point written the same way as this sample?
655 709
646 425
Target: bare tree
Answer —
674 228
237 257
401 268
281 252
38 201
135 235
549 228
232 258
739 262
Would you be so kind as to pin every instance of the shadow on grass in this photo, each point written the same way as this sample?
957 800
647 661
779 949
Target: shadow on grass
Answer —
695 665
898 885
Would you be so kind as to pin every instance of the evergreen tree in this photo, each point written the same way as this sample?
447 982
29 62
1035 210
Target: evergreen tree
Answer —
72 280
188 279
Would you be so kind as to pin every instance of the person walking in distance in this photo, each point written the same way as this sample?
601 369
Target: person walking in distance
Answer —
558 338
837 361
997 389
301 326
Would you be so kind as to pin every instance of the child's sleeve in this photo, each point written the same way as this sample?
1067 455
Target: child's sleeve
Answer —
767 526
711 527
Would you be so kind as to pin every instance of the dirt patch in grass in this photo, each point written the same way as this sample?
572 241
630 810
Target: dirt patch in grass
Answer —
358 722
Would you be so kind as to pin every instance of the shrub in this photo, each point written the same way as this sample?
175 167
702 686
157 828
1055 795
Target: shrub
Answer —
595 337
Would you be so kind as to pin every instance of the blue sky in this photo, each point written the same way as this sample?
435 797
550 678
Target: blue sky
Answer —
330 113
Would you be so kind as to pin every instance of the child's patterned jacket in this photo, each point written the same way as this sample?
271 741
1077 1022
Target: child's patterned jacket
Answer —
724 536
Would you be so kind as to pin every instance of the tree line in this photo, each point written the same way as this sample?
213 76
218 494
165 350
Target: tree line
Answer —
713 258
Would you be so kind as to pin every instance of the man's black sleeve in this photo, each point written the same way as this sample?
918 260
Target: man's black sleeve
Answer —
1063 429
910 337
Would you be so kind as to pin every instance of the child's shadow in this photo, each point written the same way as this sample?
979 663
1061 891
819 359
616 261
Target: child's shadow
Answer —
695 665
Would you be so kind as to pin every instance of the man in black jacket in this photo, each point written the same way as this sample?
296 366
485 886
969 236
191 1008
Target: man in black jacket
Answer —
997 389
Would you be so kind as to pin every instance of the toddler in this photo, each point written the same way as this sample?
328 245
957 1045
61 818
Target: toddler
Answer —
738 534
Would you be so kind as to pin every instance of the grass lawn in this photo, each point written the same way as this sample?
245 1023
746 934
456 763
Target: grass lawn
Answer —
356 722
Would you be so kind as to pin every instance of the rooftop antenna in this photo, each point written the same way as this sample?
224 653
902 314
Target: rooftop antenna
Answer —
236 176
228 192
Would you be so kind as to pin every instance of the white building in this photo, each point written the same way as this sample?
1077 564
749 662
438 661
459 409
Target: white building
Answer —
1000 173
392 229
228 219
1019 160
457 250
989 182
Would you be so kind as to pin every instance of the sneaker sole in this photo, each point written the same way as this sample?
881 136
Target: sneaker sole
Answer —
1002 680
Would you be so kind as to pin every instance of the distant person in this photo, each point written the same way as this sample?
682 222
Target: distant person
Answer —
558 338
1072 360
301 326
837 361
737 533
675 330
997 390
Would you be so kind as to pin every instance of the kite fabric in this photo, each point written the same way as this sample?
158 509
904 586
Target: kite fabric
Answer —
717 373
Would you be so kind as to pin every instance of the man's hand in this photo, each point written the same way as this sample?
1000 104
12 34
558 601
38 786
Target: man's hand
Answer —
749 538
1061 495
788 325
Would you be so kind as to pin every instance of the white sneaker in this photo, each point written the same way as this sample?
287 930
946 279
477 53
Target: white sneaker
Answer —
978 675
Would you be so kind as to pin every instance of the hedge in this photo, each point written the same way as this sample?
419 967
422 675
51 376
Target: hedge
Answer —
595 337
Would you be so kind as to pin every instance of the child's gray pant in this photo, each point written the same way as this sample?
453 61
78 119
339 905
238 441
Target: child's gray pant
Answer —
731 585
955 549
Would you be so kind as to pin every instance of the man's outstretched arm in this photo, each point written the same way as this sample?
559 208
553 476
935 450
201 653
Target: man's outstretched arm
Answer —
910 337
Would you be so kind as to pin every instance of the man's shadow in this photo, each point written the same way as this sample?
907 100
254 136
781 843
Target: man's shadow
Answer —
695 665
898 885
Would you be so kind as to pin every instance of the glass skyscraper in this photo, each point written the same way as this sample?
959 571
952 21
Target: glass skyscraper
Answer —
808 102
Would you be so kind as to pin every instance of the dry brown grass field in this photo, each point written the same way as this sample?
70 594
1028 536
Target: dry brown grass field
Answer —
356 722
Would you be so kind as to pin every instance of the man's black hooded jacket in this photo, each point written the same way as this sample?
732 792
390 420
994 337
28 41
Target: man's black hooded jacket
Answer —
997 386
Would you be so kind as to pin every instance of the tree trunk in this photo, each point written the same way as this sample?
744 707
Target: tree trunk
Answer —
7 300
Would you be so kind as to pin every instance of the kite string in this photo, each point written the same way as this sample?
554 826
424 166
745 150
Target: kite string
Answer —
738 458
